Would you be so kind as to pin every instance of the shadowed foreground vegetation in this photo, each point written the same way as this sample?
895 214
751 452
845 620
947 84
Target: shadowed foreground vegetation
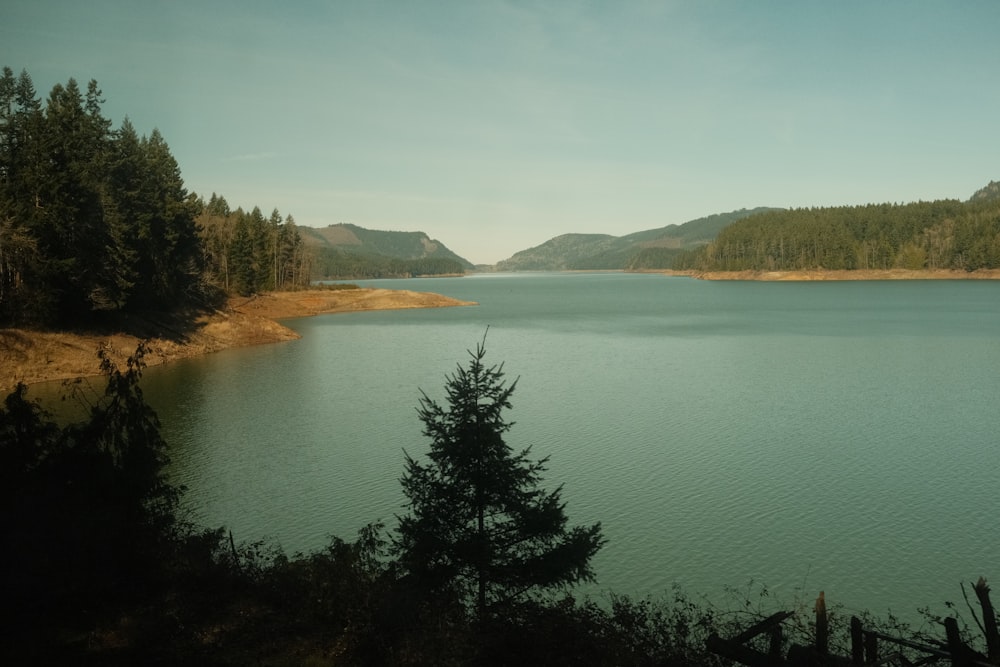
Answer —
98 567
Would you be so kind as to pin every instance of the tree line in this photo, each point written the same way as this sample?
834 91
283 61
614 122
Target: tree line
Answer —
945 234
245 252
97 220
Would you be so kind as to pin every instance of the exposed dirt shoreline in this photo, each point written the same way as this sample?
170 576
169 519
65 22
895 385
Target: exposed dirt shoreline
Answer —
37 356
858 274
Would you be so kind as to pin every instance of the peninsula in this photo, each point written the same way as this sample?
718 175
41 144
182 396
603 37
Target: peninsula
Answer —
37 356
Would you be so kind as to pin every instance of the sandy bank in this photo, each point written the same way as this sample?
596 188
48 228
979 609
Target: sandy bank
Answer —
36 356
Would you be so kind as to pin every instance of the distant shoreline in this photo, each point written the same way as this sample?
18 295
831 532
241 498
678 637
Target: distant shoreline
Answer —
840 275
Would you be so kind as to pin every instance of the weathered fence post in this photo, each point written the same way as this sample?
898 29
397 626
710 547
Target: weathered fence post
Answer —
857 642
955 647
871 648
822 625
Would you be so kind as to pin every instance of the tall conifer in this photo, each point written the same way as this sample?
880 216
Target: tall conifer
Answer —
480 526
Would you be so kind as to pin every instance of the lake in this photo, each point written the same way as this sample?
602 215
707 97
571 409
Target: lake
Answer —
837 436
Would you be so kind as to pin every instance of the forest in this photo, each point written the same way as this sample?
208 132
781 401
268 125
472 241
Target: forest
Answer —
95 221
946 234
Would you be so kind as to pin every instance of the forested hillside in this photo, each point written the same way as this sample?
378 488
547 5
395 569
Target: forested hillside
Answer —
946 234
649 249
349 251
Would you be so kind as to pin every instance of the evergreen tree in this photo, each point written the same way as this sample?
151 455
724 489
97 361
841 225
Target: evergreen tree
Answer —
480 527
124 205
169 246
67 218
20 120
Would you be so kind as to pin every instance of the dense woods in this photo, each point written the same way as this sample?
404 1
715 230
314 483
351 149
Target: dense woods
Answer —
945 234
96 220
91 219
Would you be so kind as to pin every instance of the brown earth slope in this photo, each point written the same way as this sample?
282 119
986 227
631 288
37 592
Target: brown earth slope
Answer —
35 356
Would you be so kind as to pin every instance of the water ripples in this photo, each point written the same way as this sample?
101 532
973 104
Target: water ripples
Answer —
720 433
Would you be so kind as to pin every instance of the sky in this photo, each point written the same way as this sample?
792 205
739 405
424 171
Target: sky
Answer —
495 125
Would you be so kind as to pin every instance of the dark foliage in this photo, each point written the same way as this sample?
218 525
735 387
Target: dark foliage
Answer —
481 530
86 512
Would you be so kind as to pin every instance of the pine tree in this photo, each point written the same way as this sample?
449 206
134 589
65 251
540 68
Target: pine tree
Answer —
169 245
480 527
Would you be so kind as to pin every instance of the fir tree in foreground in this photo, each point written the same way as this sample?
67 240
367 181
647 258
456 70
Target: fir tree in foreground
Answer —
480 528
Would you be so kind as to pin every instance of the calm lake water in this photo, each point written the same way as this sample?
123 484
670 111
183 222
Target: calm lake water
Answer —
807 436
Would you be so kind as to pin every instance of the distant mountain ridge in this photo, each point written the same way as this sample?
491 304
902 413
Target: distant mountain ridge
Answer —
399 245
652 248
346 251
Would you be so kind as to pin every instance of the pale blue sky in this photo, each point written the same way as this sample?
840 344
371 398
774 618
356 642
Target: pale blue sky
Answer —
496 125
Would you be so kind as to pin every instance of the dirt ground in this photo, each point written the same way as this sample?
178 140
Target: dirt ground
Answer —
35 356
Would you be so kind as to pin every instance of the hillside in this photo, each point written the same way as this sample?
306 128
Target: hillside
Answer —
947 235
349 251
649 249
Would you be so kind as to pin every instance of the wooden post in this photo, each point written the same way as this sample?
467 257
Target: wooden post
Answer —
955 646
857 642
822 625
871 648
